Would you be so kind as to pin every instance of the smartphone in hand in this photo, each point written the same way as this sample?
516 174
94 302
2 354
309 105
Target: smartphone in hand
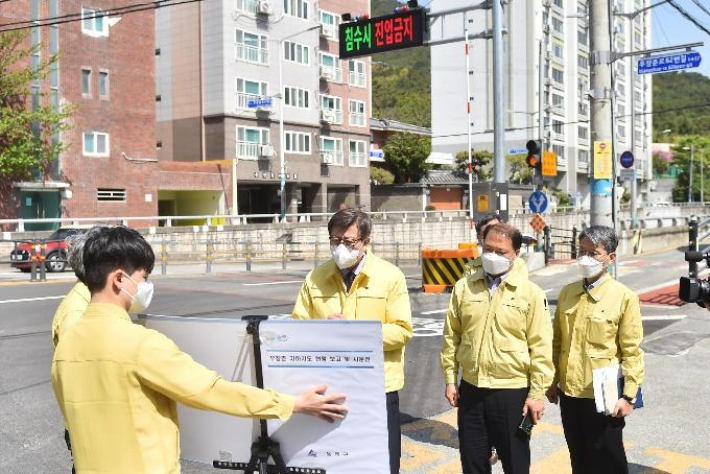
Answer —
526 424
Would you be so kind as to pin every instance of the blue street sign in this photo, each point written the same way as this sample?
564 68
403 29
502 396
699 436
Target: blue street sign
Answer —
377 155
672 62
538 202
518 151
256 103
627 159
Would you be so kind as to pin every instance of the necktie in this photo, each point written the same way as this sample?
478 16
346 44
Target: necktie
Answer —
349 278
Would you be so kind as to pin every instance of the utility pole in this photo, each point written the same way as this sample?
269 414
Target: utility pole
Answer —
690 174
499 107
602 180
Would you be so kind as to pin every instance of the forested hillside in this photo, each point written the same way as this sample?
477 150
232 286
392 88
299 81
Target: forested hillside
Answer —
685 98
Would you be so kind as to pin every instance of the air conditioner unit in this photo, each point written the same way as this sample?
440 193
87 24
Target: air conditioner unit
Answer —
266 151
327 157
327 73
548 81
547 3
324 31
264 7
327 116
546 29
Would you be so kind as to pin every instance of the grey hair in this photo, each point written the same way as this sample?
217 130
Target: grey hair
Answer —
601 235
75 249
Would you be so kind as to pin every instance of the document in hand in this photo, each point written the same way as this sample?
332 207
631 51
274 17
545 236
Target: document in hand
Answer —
605 382
608 384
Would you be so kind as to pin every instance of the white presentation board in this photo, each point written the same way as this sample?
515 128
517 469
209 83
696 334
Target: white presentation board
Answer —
345 355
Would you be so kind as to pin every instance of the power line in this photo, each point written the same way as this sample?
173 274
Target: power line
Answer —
701 6
688 16
663 30
73 17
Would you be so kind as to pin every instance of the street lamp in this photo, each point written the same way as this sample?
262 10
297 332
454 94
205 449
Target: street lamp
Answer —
282 138
690 173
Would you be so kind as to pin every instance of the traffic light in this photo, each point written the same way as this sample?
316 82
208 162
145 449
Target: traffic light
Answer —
534 158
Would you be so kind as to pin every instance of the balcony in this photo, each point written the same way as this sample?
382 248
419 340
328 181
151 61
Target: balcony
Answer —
252 54
331 74
357 79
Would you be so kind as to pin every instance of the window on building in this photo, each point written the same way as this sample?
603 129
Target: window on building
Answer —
582 61
297 8
248 6
557 126
558 101
622 132
582 133
583 37
111 194
558 25
583 156
94 22
332 105
620 69
583 108
329 24
560 152
357 113
558 50
559 3
103 84
330 67
86 82
638 38
250 90
251 47
250 141
621 89
331 150
96 144
296 97
298 142
357 73
297 53
638 97
357 156
558 75
638 136
620 109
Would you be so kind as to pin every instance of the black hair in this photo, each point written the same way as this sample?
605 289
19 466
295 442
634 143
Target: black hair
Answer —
345 218
485 220
507 230
114 248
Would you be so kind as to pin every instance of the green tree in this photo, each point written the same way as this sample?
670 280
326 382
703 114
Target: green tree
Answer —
406 155
681 159
519 170
660 165
482 163
27 121
380 176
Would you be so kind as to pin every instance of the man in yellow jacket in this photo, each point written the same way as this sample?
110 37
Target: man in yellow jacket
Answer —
597 324
357 284
117 383
499 334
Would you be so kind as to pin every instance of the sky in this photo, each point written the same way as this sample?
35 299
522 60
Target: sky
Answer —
671 28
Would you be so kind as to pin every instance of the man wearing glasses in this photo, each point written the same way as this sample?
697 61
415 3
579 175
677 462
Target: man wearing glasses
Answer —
356 284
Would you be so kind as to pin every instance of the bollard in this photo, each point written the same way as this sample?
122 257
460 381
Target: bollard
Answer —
164 258
574 242
42 264
284 256
248 255
209 256
693 245
33 269
315 254
396 253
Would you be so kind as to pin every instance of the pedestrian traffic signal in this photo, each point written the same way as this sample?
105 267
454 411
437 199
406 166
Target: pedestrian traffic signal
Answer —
534 158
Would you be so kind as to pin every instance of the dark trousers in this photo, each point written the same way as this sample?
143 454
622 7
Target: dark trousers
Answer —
394 431
594 440
491 417
68 441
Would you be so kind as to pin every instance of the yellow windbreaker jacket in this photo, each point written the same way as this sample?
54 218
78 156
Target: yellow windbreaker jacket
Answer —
379 292
499 341
70 310
594 330
117 383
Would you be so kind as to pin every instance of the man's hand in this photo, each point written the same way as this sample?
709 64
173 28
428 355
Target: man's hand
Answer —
536 408
622 409
315 402
336 316
452 394
553 394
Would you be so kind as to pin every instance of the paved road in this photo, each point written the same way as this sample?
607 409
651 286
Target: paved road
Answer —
670 435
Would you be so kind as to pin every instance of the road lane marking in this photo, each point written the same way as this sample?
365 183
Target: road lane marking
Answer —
433 311
664 317
289 282
27 300
677 462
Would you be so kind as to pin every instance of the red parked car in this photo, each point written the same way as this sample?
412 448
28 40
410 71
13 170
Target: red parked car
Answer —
55 251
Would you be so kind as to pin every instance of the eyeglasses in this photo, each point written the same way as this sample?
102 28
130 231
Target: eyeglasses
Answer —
349 243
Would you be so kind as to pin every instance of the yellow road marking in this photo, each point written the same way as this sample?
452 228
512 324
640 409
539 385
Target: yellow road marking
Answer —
677 462
416 454
557 462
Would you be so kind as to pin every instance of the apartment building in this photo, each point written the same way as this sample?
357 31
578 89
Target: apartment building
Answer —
552 35
257 86
105 72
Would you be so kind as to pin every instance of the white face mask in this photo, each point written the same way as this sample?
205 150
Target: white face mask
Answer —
495 264
144 295
344 257
589 267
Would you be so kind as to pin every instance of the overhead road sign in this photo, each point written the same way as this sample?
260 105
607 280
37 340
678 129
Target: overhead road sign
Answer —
538 202
384 33
668 63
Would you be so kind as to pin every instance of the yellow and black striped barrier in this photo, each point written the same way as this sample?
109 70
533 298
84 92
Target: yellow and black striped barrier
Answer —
441 269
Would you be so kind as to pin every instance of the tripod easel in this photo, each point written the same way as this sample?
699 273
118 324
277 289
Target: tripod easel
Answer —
264 447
